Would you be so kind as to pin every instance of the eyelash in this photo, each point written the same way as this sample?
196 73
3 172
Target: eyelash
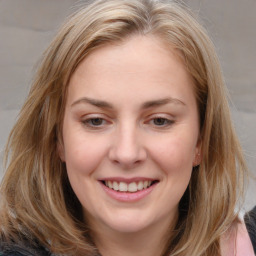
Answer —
89 122
164 122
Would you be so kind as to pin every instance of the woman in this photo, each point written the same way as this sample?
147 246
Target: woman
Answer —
125 145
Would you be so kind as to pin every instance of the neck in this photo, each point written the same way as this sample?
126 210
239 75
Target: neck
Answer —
127 244
150 241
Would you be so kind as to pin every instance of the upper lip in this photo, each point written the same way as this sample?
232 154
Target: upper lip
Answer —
127 180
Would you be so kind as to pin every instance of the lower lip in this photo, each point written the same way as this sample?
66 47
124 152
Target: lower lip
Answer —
128 196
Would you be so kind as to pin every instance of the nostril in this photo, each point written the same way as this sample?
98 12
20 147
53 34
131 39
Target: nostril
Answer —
126 163
126 153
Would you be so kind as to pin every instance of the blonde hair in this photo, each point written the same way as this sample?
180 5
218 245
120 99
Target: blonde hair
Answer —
37 201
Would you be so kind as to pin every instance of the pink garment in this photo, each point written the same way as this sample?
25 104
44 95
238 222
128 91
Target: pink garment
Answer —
237 242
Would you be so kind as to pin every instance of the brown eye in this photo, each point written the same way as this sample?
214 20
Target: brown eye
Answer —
159 121
94 122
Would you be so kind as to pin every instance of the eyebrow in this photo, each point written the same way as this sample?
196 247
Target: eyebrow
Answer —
148 104
160 102
94 102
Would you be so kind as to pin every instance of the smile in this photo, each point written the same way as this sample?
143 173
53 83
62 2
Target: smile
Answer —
131 187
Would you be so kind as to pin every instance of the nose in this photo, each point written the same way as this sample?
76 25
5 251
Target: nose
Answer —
127 149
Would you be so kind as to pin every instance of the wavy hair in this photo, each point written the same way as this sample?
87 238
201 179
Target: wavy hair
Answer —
37 201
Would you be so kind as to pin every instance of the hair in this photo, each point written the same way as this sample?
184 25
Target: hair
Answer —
37 201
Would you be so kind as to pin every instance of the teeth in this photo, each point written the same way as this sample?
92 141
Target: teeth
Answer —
115 186
125 187
109 184
140 185
132 187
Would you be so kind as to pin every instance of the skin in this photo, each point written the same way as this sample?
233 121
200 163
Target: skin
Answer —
131 112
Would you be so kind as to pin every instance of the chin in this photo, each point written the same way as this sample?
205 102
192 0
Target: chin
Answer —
129 222
128 227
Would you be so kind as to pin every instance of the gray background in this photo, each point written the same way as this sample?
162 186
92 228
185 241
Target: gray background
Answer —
27 27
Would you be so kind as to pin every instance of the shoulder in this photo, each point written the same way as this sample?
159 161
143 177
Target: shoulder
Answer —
22 249
243 242
236 241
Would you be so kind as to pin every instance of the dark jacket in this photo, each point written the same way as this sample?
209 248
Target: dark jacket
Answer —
23 249
250 222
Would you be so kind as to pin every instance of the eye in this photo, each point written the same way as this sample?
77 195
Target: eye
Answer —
96 122
161 122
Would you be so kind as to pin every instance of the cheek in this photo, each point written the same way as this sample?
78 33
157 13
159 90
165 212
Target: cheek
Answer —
175 154
83 155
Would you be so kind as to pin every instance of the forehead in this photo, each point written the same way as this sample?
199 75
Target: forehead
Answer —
145 64
152 48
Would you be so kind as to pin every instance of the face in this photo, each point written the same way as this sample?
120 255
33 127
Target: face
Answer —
130 134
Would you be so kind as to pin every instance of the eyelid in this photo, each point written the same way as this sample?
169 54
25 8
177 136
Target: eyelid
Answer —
87 118
170 119
160 115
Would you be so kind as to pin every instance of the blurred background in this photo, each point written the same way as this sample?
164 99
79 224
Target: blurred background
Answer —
27 27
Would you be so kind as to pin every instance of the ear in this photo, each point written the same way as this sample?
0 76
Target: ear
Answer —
198 153
61 151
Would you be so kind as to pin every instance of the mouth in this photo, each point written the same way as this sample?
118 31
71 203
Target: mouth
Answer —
131 187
